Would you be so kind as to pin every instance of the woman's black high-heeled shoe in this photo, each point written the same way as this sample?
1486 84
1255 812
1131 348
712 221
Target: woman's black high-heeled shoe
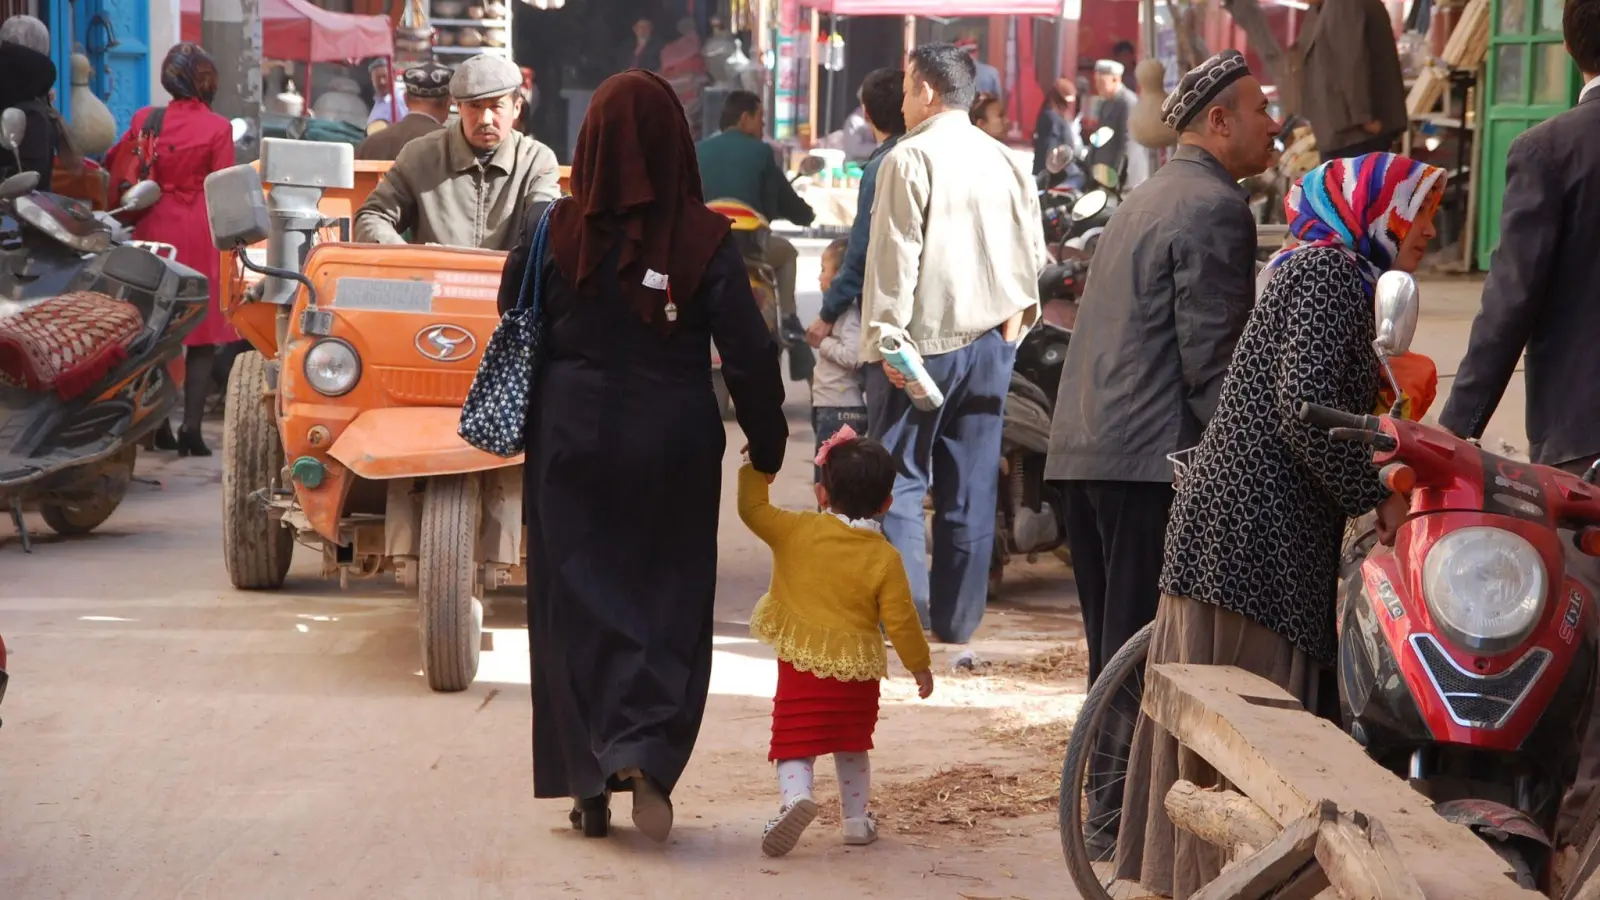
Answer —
592 816
191 444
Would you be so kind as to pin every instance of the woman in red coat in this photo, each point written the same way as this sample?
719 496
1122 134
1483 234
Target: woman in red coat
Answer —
192 143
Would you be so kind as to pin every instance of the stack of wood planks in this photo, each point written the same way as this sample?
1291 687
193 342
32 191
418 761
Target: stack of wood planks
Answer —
1465 50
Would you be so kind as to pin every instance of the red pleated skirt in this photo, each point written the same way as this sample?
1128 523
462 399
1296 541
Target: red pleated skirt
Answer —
814 716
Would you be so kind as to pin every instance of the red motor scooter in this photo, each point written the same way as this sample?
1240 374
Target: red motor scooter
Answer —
1467 652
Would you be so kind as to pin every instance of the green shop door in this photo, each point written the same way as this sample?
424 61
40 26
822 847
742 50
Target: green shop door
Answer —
1530 79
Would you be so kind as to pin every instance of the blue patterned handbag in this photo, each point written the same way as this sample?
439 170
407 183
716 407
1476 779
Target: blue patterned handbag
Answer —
494 416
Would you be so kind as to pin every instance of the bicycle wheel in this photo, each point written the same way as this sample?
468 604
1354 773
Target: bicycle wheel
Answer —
1096 768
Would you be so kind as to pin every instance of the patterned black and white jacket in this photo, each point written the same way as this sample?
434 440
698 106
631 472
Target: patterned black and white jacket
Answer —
1259 518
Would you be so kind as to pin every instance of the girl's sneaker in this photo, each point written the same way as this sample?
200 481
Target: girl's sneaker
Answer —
784 831
861 832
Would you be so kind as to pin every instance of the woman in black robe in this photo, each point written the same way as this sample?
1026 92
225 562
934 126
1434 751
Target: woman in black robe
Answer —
26 77
624 457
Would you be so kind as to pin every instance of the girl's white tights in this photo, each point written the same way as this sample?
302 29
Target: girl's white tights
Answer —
855 781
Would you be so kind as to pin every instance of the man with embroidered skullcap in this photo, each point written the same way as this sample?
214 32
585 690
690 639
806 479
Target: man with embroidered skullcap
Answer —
471 184
428 102
1167 298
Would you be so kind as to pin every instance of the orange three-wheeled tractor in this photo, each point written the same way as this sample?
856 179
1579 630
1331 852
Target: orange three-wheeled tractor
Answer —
340 429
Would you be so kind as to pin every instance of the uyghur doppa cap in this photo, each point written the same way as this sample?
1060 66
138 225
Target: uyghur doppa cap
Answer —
1200 86
485 76
1109 67
427 80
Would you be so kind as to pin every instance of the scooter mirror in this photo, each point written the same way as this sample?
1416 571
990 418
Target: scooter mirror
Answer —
811 165
141 196
18 184
1056 162
1089 205
240 129
1102 136
1105 175
13 126
1394 308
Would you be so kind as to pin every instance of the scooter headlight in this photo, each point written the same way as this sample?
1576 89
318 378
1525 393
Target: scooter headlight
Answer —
333 367
1485 586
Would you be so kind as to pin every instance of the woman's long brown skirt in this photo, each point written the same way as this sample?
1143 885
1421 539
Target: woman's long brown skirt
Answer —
1150 849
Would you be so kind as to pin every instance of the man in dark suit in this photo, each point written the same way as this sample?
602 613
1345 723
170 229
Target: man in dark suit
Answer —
1351 87
427 106
1539 298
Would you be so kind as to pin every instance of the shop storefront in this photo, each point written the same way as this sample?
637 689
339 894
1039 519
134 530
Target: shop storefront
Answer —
1530 78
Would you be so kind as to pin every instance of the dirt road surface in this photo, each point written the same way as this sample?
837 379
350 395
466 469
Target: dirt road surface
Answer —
167 737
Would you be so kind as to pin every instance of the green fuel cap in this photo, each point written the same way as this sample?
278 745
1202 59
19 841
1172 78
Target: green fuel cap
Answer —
309 472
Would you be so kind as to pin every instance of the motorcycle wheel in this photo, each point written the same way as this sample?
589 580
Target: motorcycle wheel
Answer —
1103 732
719 386
452 612
256 548
70 518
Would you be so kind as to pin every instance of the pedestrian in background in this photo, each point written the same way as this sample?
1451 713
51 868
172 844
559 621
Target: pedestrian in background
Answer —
191 143
1351 87
882 93
388 104
837 399
623 481
1058 124
944 189
989 114
1115 111
428 103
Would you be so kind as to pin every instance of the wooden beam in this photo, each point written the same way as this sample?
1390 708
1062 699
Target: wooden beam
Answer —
1261 873
1219 817
1361 860
1264 742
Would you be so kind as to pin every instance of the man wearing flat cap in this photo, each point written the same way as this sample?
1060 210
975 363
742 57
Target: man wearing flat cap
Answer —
386 106
1172 284
427 98
469 184
1115 108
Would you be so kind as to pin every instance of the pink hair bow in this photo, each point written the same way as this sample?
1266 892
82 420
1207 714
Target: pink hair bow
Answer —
844 434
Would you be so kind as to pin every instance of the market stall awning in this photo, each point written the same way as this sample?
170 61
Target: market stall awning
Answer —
294 29
947 9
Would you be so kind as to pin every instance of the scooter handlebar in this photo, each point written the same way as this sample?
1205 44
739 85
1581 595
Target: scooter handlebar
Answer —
1326 417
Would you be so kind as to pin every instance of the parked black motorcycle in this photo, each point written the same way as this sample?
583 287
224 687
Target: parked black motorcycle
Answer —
69 445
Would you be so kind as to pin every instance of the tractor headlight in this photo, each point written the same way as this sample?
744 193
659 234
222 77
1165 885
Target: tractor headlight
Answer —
1486 587
333 367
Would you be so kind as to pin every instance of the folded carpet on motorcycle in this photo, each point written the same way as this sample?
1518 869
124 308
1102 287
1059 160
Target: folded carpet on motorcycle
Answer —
66 343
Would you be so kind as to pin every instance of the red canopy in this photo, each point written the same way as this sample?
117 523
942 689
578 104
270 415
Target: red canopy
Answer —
948 9
294 29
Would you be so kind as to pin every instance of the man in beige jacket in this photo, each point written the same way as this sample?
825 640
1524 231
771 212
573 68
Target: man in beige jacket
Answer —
952 268
469 184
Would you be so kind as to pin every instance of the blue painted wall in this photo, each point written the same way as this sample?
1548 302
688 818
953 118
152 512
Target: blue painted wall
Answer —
115 34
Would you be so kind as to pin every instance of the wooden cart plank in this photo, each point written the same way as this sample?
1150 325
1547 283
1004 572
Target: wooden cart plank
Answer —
1287 761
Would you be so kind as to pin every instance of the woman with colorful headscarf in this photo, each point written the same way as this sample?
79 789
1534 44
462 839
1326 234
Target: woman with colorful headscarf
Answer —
190 142
1253 545
624 454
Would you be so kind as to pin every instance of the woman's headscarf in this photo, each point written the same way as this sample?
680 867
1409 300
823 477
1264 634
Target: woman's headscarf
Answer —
25 74
1363 206
189 73
636 182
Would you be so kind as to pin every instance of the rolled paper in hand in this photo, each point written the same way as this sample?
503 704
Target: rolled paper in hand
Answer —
925 395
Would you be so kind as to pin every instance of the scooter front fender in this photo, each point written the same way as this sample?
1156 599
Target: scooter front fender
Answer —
1489 815
411 442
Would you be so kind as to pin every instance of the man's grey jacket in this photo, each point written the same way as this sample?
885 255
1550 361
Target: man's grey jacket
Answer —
1170 288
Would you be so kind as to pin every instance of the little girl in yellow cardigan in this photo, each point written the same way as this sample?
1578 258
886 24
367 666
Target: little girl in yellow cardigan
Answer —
835 580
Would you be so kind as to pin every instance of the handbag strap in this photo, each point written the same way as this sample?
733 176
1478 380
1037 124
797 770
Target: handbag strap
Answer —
535 261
